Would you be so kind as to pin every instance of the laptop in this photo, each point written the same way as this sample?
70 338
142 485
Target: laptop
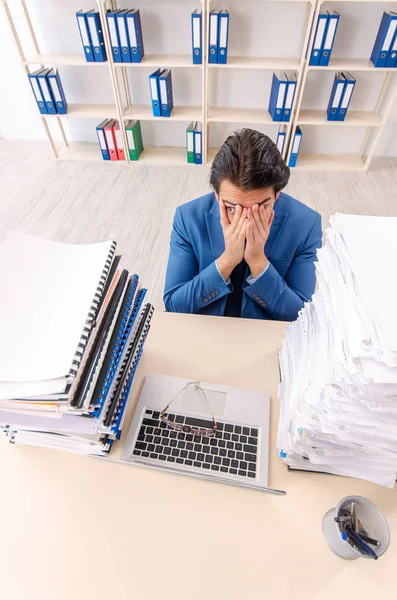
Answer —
235 452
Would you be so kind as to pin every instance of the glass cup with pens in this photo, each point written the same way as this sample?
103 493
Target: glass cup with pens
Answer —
356 528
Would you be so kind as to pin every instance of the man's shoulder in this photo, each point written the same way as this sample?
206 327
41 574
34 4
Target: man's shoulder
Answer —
198 206
297 210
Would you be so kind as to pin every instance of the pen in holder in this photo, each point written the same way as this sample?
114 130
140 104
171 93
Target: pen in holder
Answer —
356 528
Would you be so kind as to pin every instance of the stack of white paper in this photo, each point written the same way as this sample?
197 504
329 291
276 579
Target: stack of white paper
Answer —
338 362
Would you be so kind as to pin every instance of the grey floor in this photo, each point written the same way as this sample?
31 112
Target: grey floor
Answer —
83 202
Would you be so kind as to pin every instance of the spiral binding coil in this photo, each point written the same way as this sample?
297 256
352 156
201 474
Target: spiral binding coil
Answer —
119 412
129 363
130 315
92 313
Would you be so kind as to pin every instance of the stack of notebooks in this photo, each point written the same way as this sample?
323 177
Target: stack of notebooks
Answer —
338 362
73 324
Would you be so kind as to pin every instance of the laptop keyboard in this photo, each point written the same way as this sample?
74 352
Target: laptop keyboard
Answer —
233 450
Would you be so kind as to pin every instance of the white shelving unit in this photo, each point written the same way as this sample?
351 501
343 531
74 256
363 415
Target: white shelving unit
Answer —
124 109
374 121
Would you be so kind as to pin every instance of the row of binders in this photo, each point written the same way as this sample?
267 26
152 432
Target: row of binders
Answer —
218 38
125 32
48 91
194 143
282 96
384 53
111 143
126 37
296 143
342 90
91 34
161 92
67 363
327 25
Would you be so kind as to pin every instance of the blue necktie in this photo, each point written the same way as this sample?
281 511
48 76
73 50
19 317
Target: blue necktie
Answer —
234 300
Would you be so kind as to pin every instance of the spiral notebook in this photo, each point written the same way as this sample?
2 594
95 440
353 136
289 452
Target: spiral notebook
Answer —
50 296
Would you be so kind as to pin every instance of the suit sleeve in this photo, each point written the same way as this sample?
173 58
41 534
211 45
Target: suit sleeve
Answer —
282 298
187 290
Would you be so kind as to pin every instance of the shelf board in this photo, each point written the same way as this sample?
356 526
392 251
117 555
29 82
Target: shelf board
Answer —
89 111
218 114
74 60
144 112
354 118
350 64
164 156
246 62
162 60
81 151
330 162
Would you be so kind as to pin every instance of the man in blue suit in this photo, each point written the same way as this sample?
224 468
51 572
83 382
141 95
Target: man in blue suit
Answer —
247 250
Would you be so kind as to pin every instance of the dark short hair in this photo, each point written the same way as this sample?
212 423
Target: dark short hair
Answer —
251 161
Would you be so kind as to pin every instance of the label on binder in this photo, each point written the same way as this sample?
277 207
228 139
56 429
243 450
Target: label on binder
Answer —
280 142
55 89
119 141
36 89
280 95
93 31
153 88
347 96
190 145
163 91
112 31
297 142
213 29
223 32
130 139
320 33
196 33
389 35
338 94
132 32
101 138
122 31
83 31
198 143
330 34
290 96
109 139
45 90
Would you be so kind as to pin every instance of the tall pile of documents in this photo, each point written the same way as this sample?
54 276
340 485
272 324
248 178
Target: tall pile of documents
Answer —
73 323
338 362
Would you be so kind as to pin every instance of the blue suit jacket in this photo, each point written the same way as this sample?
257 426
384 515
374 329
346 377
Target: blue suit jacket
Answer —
194 285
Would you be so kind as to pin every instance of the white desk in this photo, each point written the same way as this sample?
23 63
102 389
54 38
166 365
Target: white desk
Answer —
75 528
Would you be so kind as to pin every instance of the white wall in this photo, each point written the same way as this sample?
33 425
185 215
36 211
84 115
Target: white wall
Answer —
256 29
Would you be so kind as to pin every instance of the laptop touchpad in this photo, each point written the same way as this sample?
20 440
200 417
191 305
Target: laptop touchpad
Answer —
194 402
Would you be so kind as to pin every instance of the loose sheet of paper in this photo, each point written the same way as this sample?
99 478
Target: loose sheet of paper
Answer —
47 291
